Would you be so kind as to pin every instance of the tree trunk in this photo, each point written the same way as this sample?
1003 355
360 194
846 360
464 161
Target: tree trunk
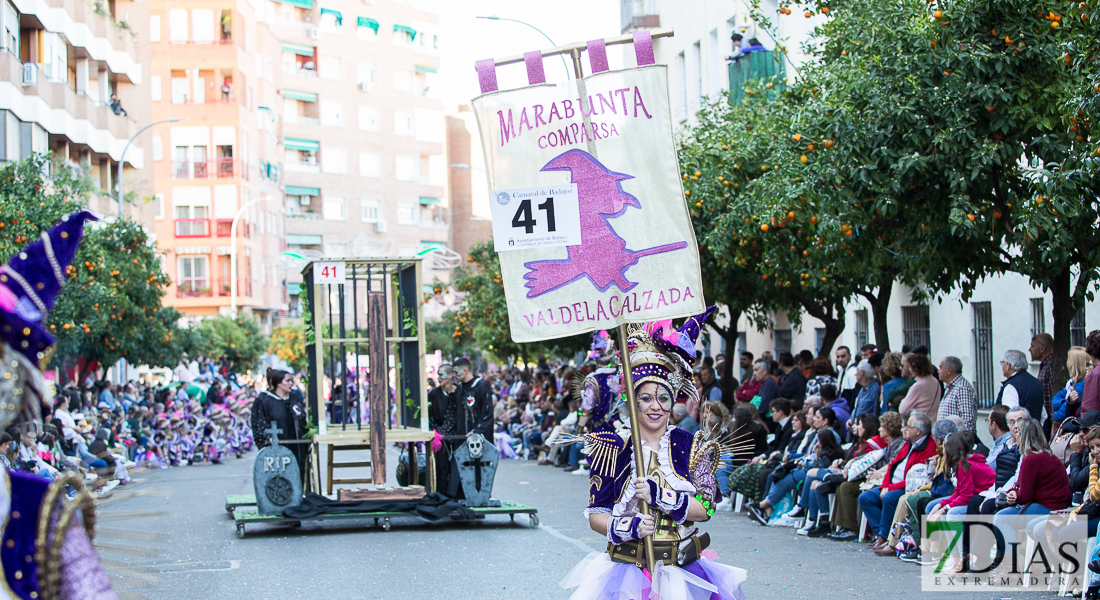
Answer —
523 357
880 306
833 329
832 316
1064 309
733 359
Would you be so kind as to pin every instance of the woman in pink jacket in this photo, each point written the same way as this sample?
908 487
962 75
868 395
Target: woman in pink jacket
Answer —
972 475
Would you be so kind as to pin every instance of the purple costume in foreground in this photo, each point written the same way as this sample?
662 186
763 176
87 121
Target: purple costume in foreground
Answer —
680 471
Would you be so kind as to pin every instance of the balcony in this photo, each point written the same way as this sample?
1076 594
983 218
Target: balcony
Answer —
309 73
193 288
225 228
312 121
225 167
192 228
244 286
302 167
755 65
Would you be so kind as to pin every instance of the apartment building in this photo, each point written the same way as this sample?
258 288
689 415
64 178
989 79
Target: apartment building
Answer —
216 69
71 73
363 131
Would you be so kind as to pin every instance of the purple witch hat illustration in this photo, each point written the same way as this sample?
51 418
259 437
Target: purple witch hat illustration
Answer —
31 282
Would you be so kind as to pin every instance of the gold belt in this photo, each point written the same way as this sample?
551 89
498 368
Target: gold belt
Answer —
633 552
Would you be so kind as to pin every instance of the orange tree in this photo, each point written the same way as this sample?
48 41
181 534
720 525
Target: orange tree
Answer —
289 344
918 137
483 316
111 306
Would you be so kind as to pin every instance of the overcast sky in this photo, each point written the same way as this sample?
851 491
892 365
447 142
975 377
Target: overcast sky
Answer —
466 39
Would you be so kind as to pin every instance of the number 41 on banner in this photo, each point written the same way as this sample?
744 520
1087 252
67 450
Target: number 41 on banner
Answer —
536 217
330 272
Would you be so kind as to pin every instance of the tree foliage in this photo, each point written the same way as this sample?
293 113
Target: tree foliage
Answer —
111 305
238 339
932 143
289 344
483 316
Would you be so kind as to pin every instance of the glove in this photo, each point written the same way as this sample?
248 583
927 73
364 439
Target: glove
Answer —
623 529
672 503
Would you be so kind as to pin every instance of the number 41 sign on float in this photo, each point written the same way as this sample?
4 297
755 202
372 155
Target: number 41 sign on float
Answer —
536 217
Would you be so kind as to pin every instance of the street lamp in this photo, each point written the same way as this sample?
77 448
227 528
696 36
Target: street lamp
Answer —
233 255
122 158
496 18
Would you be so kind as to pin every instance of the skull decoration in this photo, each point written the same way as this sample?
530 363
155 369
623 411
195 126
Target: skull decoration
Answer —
475 444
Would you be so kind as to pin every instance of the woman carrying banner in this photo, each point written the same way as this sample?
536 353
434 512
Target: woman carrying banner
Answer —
679 486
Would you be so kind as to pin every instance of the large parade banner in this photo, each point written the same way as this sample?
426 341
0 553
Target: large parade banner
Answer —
589 216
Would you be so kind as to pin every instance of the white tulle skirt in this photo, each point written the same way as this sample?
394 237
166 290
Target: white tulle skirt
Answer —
596 577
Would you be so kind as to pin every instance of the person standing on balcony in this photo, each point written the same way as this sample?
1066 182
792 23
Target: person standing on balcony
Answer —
754 46
116 106
735 39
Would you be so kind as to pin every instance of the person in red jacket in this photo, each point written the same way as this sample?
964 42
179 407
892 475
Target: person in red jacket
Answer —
972 475
880 504
1041 487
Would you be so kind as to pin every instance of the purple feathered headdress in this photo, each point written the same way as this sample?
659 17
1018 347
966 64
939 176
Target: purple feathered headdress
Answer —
661 354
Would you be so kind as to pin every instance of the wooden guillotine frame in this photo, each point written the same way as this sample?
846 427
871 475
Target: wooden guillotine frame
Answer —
377 311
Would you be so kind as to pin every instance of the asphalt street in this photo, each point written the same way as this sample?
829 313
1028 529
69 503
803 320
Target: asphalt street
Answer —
195 552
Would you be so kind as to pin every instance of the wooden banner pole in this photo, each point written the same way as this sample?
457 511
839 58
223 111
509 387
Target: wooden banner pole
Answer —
635 434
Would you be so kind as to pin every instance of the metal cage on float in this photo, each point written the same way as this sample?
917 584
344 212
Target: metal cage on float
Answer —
367 384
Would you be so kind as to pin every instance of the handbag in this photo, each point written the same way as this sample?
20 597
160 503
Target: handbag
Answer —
859 466
1059 444
830 482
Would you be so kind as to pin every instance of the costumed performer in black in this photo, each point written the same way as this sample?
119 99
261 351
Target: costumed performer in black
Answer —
289 413
441 419
678 485
473 413
46 548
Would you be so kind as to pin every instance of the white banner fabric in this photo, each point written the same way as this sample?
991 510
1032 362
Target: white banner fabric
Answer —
638 258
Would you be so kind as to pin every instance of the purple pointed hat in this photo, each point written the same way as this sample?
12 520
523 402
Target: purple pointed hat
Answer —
663 355
31 282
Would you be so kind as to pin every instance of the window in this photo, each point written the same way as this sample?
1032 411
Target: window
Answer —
330 67
158 206
368 118
1077 328
193 276
180 90
408 213
371 209
335 208
370 164
402 80
367 29
331 20
154 28
10 41
403 36
782 341
55 57
177 26
202 26
1038 317
862 330
916 327
366 73
336 161
425 82
332 113
155 87
819 340
405 168
983 352
403 123
158 148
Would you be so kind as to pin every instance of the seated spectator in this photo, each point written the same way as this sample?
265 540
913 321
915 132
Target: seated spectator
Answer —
749 479
866 440
879 504
821 373
6 452
939 485
839 406
896 380
746 426
1066 402
844 518
925 393
769 388
682 419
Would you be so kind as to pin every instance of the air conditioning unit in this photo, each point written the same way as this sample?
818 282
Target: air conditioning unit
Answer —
364 86
380 226
313 33
30 74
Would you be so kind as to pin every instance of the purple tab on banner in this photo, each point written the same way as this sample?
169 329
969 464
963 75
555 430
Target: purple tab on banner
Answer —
535 73
487 75
597 56
643 48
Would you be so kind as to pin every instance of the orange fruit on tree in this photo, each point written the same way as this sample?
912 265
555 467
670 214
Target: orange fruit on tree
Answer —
938 14
803 159
813 220
825 9
828 143
797 137
809 14
1054 24
971 217
764 227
